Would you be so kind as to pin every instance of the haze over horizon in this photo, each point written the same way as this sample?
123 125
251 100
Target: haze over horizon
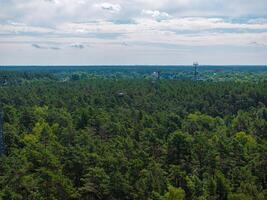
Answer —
137 32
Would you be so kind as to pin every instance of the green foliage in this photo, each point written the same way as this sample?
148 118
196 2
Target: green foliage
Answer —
174 194
240 196
133 139
179 148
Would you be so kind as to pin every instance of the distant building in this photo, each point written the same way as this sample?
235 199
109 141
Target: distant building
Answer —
155 75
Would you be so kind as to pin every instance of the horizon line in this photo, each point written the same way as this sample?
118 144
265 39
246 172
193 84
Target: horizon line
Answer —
130 65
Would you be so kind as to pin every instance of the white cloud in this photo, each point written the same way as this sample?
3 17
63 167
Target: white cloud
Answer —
156 14
155 24
182 31
113 8
21 28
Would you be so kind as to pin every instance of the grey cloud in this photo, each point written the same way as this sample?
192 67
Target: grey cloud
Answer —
111 35
123 21
124 44
77 46
257 44
55 48
37 46
50 1
219 8
257 21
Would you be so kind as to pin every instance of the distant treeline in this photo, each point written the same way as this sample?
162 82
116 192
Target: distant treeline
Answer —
12 77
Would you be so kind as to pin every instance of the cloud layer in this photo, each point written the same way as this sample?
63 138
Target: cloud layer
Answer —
133 32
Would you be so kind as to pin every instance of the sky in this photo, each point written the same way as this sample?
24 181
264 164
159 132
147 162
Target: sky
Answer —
132 32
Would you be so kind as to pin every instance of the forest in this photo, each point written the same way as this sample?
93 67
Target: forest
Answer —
132 139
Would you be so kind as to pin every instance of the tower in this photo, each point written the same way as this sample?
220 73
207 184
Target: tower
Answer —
158 73
195 64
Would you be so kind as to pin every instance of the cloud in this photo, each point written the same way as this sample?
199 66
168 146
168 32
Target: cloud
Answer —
55 48
114 8
18 28
77 46
178 31
257 21
257 44
107 25
156 14
124 44
37 46
52 1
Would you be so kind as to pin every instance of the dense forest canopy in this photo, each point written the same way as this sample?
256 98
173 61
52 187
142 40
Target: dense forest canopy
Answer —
101 138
